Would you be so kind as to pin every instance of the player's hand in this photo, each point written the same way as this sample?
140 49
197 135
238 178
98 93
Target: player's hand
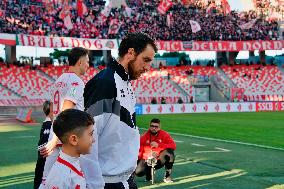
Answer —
154 144
48 148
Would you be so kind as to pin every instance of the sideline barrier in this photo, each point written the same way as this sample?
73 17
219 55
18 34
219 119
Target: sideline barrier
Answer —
24 115
210 107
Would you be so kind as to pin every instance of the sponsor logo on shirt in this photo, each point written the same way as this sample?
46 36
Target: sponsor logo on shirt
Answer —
75 84
60 85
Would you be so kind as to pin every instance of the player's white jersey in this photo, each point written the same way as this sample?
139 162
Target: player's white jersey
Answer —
67 87
65 174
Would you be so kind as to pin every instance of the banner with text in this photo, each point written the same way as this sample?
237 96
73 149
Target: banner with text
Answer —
67 42
219 45
109 44
269 106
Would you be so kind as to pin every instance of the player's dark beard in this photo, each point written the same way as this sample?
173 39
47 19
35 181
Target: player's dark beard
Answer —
153 132
132 74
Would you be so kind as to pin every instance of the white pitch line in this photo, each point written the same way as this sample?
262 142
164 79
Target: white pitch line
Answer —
195 144
218 150
23 137
227 141
212 151
223 149
179 141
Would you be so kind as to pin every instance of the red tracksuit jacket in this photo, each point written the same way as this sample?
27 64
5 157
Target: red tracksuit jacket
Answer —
163 139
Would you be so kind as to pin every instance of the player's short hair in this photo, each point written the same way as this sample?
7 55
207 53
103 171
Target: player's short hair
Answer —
71 121
155 120
138 41
46 107
75 54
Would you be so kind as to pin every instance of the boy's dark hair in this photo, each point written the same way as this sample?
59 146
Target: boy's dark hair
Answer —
46 107
75 54
138 41
155 120
71 120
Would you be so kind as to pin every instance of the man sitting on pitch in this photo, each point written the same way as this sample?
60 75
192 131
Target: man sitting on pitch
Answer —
159 144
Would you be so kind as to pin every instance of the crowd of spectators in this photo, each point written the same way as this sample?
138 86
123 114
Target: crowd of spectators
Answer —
22 16
268 6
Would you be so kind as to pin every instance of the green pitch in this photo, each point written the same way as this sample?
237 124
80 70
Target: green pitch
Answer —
201 161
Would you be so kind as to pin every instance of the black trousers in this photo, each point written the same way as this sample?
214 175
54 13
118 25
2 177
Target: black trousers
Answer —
166 159
43 138
39 171
131 184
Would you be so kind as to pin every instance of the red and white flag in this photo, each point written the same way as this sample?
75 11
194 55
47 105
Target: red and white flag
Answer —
106 10
164 6
248 25
64 12
68 23
2 13
169 19
105 13
81 8
195 27
65 16
114 26
226 7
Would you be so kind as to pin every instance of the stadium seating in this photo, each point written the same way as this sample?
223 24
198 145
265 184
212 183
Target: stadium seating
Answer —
154 84
259 82
56 71
178 75
91 72
27 83
6 94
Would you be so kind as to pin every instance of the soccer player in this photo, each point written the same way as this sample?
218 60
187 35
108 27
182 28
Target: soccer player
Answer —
67 93
110 99
75 130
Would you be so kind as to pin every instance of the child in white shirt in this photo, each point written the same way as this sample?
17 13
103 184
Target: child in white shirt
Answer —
75 130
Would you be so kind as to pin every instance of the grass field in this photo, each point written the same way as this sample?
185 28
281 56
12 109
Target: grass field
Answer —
207 154
264 128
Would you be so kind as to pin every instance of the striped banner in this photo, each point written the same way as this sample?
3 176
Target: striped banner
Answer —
7 39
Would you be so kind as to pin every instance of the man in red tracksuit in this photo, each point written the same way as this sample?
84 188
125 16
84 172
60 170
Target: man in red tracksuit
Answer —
158 143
